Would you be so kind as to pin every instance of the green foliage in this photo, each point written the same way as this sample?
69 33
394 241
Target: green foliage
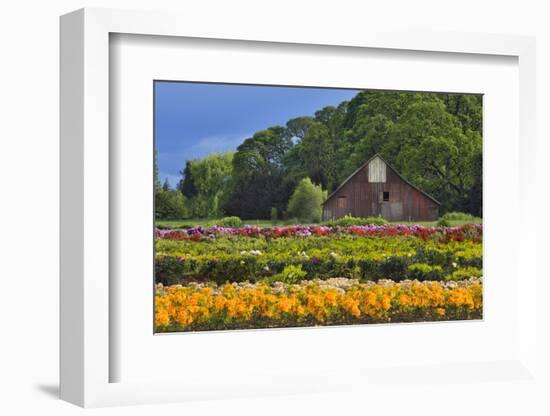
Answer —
187 184
464 273
170 204
305 202
467 109
156 181
274 215
476 191
459 216
348 220
207 184
228 222
258 181
314 156
421 271
245 258
290 274
454 217
443 222
433 152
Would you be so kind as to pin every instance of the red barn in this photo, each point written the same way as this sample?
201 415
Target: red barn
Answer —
376 189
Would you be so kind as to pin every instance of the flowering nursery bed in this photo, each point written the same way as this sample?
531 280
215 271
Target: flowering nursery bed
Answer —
310 303
251 277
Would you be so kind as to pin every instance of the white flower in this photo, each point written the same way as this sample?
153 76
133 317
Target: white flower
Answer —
243 253
454 264
266 268
333 254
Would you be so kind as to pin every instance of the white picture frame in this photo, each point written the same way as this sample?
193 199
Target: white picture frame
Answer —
86 355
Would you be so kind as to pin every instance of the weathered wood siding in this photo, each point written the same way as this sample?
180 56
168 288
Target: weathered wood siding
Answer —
360 197
377 170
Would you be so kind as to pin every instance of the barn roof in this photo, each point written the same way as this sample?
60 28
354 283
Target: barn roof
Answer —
360 168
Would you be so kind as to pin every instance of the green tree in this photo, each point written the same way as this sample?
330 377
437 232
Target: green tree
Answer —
170 205
476 192
430 149
186 185
156 181
315 157
390 104
299 126
305 202
373 133
166 185
207 183
467 108
258 180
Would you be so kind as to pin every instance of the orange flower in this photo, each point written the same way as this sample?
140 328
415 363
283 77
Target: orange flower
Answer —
193 307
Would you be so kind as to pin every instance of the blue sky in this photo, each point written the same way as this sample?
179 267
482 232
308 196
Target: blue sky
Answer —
194 119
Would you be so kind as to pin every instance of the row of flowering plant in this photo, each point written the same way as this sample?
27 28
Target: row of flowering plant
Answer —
472 232
239 259
333 302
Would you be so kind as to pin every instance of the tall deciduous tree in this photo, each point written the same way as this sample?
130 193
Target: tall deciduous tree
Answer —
314 157
431 150
258 181
207 184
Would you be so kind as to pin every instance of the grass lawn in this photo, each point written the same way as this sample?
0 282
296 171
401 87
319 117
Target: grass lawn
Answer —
194 222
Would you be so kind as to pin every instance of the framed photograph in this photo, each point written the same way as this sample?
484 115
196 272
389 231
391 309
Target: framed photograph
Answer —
269 213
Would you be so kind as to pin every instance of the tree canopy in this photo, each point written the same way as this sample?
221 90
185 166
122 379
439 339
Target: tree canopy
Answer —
206 183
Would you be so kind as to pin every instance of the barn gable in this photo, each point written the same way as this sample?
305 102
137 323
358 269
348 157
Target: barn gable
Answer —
376 188
377 170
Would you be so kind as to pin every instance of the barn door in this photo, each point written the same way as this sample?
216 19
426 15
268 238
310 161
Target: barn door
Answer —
392 211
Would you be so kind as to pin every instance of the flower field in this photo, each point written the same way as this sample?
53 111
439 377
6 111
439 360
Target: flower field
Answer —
249 277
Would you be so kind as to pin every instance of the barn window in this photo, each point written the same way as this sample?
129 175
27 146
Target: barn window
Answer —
341 203
386 196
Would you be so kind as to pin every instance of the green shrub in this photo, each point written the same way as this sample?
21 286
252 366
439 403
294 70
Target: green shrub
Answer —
305 202
348 221
290 274
459 216
171 226
375 268
420 271
228 222
464 273
443 222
